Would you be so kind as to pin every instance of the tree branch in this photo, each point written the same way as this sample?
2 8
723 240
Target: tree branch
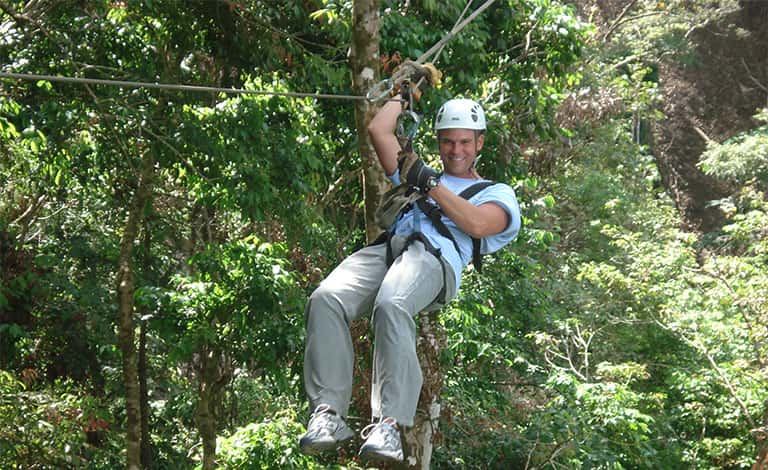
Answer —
17 17
22 19
618 20
752 77
627 20
723 378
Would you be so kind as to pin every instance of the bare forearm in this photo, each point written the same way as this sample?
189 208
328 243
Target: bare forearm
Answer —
476 221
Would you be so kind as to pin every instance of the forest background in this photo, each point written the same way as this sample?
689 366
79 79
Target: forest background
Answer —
157 246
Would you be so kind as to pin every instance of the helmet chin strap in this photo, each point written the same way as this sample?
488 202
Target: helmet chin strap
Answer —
473 166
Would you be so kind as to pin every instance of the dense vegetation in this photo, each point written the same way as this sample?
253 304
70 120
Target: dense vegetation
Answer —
610 335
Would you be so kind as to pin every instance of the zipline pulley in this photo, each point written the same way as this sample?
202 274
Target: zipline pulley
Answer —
405 81
380 91
389 86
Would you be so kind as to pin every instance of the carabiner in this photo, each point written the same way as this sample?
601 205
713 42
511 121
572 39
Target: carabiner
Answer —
406 131
381 90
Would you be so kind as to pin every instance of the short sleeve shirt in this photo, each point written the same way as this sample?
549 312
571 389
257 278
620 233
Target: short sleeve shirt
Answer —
416 221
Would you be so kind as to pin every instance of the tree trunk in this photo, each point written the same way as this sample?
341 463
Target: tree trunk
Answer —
146 442
419 440
761 441
214 373
206 421
364 61
126 334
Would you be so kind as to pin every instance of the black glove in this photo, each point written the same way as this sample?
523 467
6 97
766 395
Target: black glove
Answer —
415 172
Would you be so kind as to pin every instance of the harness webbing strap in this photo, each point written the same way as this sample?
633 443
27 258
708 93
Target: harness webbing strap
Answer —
434 213
477 258
386 237
475 188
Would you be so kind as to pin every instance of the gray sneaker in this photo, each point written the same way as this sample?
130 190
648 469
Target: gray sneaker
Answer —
325 431
382 442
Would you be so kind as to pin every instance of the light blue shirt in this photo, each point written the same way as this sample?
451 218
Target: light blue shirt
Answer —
416 221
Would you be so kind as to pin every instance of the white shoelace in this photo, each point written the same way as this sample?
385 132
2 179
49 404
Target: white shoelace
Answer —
321 418
387 427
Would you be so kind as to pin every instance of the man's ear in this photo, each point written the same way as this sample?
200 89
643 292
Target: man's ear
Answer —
480 141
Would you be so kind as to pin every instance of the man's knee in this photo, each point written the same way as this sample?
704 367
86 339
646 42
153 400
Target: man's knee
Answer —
391 311
389 306
324 303
322 293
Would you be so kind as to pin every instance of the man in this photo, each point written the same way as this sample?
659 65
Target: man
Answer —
416 269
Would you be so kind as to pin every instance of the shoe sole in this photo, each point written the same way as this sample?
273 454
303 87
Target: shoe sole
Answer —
372 456
314 449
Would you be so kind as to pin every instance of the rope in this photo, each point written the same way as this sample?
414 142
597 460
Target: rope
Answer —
458 26
455 25
454 31
436 50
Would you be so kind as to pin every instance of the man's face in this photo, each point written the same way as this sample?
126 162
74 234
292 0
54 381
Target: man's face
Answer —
458 150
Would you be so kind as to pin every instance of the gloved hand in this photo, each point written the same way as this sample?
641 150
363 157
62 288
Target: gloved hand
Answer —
414 171
431 74
412 73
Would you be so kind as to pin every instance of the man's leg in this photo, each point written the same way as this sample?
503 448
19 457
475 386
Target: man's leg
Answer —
412 283
343 296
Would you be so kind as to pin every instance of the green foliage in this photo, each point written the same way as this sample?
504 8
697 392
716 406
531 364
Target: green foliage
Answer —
650 336
245 144
52 427
743 158
240 297
596 425
266 445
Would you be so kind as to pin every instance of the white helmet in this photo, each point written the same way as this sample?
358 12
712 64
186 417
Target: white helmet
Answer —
460 113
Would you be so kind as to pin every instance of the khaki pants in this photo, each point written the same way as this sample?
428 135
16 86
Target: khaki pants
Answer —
363 284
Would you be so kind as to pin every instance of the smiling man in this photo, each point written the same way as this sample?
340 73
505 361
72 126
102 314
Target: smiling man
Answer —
417 267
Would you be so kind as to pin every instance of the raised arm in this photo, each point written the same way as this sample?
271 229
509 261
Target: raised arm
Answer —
381 130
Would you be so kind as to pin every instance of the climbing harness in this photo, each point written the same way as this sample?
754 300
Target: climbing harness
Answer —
400 200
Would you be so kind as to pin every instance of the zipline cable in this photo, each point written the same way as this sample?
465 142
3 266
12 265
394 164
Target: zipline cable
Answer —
170 86
436 49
